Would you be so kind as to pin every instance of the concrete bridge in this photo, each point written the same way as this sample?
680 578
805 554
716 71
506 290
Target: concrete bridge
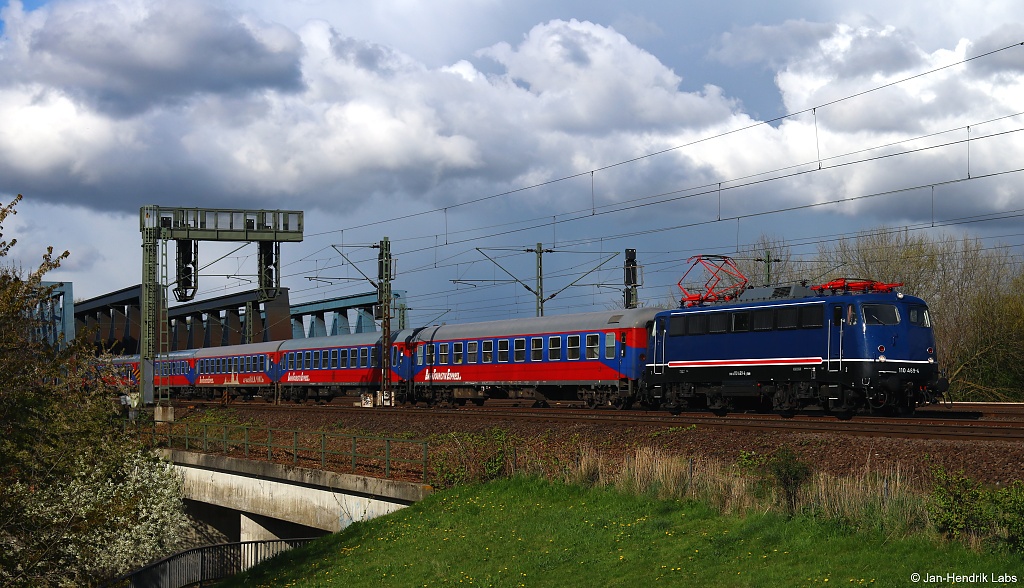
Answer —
248 500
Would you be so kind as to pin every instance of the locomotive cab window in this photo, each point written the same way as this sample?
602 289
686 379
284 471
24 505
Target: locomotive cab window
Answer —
918 316
881 314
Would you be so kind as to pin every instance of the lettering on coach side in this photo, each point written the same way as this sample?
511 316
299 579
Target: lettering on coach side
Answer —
297 378
447 376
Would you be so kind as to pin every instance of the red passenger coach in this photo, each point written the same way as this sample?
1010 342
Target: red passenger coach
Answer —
593 357
239 370
324 367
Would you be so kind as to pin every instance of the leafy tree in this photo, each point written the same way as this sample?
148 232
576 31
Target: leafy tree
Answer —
80 499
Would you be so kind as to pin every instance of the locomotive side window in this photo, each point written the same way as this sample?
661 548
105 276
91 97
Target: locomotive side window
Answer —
519 350
762 320
677 325
457 353
554 348
488 352
881 314
788 317
740 322
502 350
572 347
918 316
696 324
812 317
593 343
471 352
718 322
537 349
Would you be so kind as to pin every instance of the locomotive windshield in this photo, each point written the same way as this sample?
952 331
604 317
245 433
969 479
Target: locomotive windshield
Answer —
881 314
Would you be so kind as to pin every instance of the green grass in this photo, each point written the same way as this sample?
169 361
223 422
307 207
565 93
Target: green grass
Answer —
530 532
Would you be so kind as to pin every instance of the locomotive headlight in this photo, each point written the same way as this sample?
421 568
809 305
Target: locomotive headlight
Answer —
881 358
931 360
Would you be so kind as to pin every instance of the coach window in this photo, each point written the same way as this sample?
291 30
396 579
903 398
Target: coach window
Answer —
519 350
609 345
718 322
593 346
740 322
430 354
502 350
375 356
696 324
443 360
762 320
457 353
364 357
334 358
316 360
572 345
554 348
419 355
488 352
471 349
537 349
812 317
263 363
308 355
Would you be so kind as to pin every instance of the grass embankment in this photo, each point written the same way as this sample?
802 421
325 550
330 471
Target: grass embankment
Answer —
530 532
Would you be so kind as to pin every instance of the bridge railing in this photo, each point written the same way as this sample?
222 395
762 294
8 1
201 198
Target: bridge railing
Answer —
380 456
204 564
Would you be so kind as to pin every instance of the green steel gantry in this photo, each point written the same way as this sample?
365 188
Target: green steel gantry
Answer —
188 226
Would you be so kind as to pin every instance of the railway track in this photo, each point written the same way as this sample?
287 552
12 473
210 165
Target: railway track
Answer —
962 422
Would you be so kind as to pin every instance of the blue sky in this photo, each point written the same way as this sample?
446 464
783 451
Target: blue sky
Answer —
460 125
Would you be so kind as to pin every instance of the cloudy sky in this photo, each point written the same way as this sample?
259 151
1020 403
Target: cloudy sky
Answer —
469 129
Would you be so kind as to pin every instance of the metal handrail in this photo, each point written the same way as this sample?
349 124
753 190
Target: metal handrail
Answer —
329 448
205 564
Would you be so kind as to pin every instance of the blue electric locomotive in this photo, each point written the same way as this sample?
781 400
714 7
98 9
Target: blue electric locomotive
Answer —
843 346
